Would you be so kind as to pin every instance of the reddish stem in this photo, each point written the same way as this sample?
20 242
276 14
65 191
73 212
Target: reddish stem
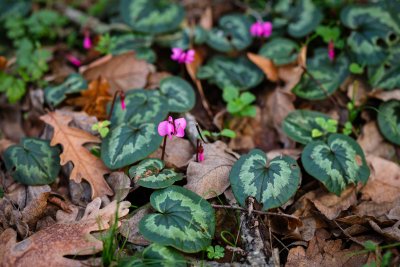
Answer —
121 95
163 147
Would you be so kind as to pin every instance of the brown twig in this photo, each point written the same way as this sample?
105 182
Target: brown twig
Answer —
254 211
121 95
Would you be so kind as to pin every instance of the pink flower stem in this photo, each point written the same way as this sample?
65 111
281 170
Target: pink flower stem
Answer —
121 95
163 147
197 149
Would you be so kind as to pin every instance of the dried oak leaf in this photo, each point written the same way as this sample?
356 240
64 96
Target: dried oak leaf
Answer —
123 72
130 226
94 100
384 183
324 252
373 143
66 237
210 178
86 165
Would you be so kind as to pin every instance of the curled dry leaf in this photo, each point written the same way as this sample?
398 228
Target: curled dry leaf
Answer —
178 152
392 232
385 95
266 65
373 143
86 165
210 178
120 183
130 226
330 204
68 237
384 183
123 72
324 252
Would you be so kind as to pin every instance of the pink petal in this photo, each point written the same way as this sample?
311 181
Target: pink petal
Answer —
176 53
201 156
87 43
256 29
331 50
165 128
267 29
74 60
180 125
123 104
190 56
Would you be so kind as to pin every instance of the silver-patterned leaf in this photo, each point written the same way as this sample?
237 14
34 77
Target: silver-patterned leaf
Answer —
305 17
280 50
337 163
272 183
178 93
389 120
386 75
54 95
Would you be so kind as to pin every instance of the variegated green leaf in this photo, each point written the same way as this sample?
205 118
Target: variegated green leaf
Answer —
232 34
305 17
185 220
141 106
337 163
386 76
372 31
326 77
128 143
231 72
75 83
151 16
271 183
33 162
183 38
280 50
140 43
178 93
299 124
389 120
150 173
155 255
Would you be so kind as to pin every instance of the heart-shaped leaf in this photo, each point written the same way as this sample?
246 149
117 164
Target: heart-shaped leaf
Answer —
336 163
232 34
280 50
141 106
231 72
33 162
140 43
385 76
185 220
299 124
389 120
271 183
150 173
75 83
326 77
128 143
151 16
178 93
155 255
373 29
305 17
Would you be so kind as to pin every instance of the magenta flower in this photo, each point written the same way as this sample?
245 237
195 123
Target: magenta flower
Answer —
200 153
182 56
87 42
122 97
172 127
73 60
261 29
331 50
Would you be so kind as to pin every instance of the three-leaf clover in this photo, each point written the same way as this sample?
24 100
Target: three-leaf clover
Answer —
327 125
239 104
101 127
216 252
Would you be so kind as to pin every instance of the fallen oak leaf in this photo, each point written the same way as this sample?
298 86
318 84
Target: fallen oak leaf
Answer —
94 100
210 178
66 237
266 65
86 165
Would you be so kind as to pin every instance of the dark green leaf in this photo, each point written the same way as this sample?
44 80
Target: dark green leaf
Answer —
75 83
389 120
280 50
178 93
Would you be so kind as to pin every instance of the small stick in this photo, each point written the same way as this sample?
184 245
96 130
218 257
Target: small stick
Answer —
121 95
254 211
163 147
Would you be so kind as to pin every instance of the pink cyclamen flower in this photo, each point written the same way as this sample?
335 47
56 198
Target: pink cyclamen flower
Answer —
122 97
74 60
87 42
182 56
200 153
331 50
172 127
261 29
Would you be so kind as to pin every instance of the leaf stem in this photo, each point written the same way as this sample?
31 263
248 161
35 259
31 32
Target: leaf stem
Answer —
255 211
121 95
163 147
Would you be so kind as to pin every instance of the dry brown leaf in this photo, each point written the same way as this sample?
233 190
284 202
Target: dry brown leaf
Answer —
94 100
86 165
330 204
178 152
4 144
210 178
68 237
377 210
155 79
120 183
384 182
3 63
392 232
130 227
327 253
385 95
294 153
206 20
266 65
302 58
123 72
373 143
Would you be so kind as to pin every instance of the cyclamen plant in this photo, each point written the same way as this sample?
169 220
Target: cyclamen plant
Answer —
261 29
181 56
87 42
171 127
